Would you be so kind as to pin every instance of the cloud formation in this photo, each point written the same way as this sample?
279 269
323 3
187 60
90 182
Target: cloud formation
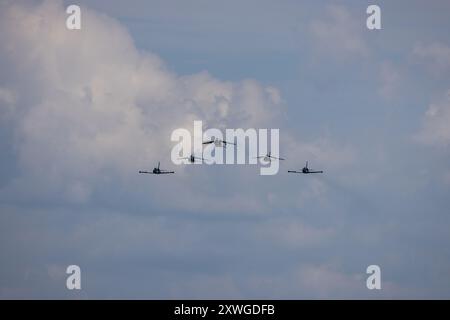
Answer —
338 34
85 102
435 128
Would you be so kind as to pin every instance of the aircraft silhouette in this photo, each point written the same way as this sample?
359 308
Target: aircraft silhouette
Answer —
192 158
305 170
157 171
268 157
218 142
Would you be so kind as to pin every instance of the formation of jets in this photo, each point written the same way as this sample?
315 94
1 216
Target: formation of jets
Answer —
221 143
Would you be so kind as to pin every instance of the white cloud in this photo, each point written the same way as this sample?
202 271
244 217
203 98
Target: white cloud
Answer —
89 103
91 109
339 34
435 129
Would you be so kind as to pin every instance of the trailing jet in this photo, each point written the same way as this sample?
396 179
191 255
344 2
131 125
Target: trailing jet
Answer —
305 170
157 171
192 158
268 157
218 142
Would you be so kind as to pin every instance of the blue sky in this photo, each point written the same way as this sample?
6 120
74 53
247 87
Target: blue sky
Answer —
83 111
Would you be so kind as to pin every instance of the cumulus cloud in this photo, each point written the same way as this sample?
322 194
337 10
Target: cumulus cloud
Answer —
89 102
89 109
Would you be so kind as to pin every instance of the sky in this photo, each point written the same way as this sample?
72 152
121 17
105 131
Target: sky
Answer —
82 111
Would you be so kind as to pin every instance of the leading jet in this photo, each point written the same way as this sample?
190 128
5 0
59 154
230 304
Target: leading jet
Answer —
218 142
305 170
157 170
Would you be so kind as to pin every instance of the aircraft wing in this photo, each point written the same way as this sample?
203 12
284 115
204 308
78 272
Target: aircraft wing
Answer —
166 172
293 171
208 142
315 172
149 172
